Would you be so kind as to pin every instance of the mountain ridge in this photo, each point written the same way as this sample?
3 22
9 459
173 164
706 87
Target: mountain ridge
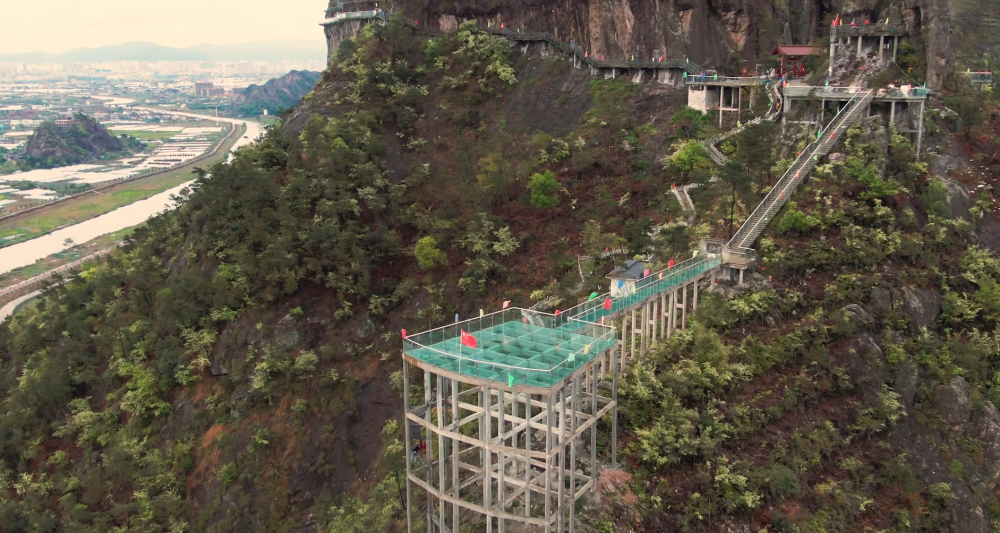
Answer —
150 51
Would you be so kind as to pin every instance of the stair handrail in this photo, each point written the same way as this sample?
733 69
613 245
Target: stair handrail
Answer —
777 195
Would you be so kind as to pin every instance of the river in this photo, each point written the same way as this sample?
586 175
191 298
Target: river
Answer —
27 252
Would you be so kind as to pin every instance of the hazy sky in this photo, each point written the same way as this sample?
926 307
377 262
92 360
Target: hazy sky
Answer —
59 25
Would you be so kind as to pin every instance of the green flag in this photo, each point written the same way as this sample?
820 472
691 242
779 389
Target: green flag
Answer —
592 296
572 357
819 132
481 313
510 380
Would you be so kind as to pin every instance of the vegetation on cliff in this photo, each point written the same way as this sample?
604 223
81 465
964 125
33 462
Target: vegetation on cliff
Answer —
279 94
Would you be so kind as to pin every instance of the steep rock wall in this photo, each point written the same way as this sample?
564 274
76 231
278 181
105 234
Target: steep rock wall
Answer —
724 34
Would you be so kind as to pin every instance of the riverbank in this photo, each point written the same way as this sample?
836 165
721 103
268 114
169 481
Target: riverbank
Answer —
61 213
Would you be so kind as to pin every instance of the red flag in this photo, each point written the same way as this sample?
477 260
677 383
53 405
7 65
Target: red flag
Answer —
661 275
645 273
607 303
670 264
469 340
506 303
404 333
558 312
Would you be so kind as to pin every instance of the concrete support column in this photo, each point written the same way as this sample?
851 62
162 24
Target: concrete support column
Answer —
859 46
722 95
892 112
663 316
694 306
920 129
561 453
881 47
634 332
655 319
684 304
614 410
833 47
895 45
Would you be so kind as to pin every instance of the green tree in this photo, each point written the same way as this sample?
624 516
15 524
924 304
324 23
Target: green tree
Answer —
428 254
689 159
970 113
544 190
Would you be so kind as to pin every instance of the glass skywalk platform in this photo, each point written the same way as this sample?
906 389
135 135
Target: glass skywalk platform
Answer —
518 347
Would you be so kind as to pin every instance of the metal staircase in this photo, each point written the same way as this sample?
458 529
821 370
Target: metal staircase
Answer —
800 169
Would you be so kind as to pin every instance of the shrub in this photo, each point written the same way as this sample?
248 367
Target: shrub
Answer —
797 221
428 254
544 190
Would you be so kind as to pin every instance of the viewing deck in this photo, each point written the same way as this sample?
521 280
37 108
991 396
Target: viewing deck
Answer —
726 81
904 93
520 346
875 30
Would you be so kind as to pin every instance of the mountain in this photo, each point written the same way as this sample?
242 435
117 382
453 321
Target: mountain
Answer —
235 365
148 51
53 145
278 94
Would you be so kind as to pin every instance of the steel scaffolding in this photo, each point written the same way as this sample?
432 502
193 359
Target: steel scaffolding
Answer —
486 454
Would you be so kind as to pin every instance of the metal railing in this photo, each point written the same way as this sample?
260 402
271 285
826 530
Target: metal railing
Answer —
799 170
594 311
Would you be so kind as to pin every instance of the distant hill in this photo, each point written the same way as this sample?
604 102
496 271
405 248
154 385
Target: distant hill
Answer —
52 146
279 93
147 51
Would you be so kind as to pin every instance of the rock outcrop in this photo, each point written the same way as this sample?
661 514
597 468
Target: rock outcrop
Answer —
68 143
729 35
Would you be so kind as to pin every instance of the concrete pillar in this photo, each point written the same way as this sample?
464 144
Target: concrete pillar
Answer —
741 276
833 48
881 47
722 94
487 436
634 327
920 129
441 444
427 418
684 305
892 112
895 45
501 457
694 306
859 46
663 316
614 410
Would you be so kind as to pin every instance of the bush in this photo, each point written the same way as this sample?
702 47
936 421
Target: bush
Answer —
796 221
544 190
428 254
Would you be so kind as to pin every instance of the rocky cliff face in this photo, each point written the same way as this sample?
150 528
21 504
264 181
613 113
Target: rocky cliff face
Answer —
723 34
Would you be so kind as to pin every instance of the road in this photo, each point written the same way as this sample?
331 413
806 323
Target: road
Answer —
8 309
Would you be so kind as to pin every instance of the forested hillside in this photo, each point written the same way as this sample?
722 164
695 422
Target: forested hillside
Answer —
235 366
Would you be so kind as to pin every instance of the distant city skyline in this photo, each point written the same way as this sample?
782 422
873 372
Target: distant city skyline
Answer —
57 26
